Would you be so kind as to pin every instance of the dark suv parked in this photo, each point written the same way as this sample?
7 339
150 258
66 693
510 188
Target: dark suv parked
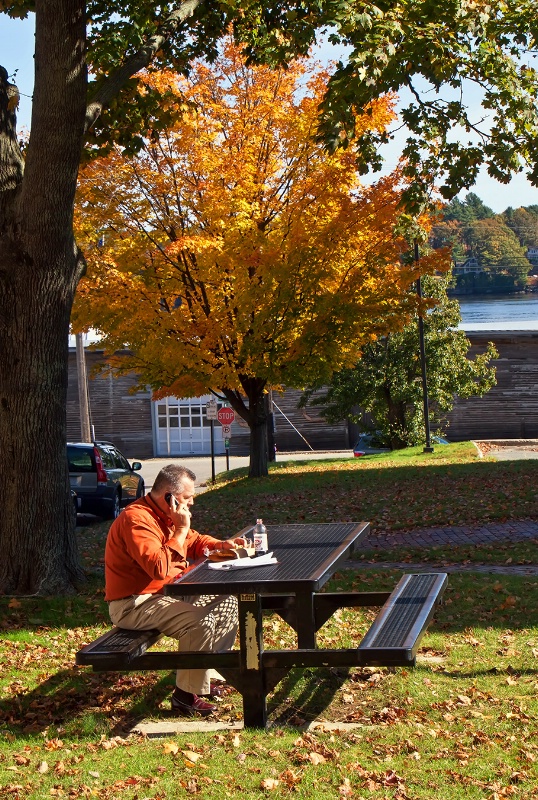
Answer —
102 478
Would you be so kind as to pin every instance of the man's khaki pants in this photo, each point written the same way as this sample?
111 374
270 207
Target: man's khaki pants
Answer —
207 622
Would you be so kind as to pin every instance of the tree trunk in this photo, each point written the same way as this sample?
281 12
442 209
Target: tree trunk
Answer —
397 425
270 422
258 467
39 270
37 522
256 417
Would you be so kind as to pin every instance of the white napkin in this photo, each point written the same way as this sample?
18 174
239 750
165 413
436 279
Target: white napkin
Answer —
240 563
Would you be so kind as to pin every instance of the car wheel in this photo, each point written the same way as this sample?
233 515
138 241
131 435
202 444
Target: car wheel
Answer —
115 511
117 506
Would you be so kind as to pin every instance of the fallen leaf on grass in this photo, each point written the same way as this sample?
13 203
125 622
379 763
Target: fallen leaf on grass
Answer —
269 784
54 744
43 767
171 748
290 778
191 755
510 602
317 758
472 641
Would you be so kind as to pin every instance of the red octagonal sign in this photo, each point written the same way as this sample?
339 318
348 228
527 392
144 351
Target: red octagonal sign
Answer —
225 416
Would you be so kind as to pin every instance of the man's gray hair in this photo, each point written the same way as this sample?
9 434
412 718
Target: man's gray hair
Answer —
171 479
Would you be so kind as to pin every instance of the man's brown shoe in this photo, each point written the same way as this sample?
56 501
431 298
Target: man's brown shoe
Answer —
191 708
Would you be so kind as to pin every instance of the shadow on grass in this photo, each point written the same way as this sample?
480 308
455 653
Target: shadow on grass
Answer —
79 703
304 694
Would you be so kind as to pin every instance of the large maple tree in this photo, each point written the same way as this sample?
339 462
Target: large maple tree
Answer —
236 253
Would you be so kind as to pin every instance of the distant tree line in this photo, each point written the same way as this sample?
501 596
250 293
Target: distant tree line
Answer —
500 244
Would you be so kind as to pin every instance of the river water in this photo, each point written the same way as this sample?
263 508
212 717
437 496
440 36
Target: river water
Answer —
499 312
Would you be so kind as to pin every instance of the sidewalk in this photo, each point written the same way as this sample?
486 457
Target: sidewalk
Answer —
492 533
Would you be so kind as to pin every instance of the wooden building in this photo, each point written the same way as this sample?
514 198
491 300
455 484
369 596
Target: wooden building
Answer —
116 414
510 409
143 428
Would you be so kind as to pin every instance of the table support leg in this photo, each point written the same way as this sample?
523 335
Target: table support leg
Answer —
253 683
306 624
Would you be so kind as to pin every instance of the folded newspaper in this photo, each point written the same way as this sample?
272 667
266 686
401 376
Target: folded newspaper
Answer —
241 562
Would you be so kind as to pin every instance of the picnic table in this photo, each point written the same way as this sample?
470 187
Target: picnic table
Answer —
308 556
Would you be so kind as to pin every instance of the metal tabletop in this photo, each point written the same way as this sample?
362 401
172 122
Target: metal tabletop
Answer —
308 555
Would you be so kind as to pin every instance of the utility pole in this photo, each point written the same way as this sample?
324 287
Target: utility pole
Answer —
84 408
428 448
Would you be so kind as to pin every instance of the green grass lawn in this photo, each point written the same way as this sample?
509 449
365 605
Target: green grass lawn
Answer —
398 491
462 724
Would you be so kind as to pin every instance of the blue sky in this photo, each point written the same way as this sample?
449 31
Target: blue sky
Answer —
16 55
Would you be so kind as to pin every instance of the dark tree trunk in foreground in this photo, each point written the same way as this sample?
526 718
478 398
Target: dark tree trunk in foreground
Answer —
39 271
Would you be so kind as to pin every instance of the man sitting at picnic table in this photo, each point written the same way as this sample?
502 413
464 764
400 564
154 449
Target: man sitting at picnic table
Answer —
148 546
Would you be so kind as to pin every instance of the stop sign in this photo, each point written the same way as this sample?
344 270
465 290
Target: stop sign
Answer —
225 416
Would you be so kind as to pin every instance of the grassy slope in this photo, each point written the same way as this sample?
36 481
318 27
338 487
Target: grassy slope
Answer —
399 491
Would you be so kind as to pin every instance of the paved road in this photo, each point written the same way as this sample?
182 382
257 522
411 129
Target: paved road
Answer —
509 449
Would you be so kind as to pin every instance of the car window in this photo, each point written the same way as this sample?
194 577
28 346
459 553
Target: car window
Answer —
121 462
80 460
107 458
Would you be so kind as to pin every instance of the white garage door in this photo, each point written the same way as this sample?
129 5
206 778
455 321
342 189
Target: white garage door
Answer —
182 427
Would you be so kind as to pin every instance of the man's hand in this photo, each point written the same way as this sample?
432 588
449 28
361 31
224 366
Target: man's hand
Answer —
181 517
231 544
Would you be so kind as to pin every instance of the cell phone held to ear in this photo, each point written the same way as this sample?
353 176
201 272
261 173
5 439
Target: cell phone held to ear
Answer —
172 502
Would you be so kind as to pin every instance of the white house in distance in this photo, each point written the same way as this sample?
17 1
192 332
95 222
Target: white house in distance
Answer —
532 255
468 267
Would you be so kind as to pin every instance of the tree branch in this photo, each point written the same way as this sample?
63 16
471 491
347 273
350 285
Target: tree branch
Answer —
142 58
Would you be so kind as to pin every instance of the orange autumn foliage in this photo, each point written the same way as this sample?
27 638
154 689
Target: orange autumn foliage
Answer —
238 253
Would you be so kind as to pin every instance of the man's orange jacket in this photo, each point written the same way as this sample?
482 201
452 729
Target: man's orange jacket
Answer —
141 556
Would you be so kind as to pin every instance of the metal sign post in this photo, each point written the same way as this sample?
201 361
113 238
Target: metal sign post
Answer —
211 414
226 416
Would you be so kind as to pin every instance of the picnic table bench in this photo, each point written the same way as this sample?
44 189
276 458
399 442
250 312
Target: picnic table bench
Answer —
291 589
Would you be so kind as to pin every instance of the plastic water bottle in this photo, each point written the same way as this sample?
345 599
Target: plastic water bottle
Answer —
260 538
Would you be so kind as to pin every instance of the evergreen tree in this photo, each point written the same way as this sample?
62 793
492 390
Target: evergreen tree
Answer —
467 211
384 390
